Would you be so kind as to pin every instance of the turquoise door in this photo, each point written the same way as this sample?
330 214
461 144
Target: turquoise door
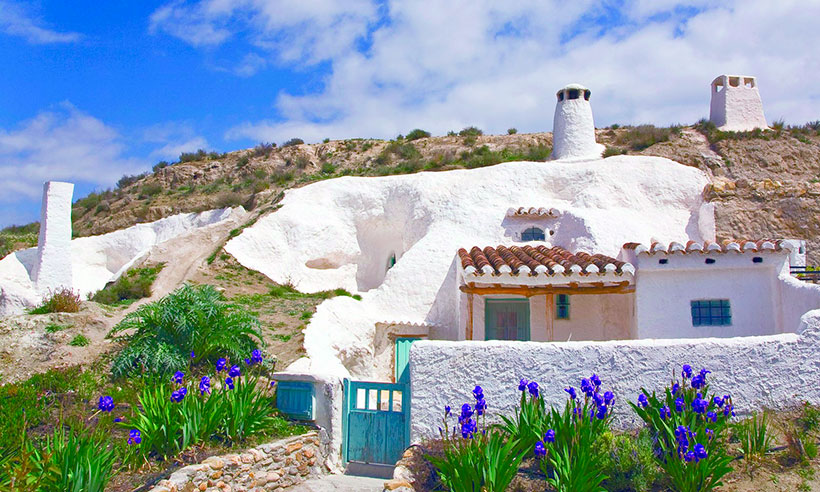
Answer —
507 319
376 422
403 359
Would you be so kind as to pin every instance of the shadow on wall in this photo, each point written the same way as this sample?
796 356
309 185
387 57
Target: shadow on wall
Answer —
443 314
385 237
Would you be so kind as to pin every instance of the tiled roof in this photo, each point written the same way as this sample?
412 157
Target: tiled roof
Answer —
533 212
736 245
534 260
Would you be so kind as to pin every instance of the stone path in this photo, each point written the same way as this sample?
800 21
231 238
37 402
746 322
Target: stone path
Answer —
340 483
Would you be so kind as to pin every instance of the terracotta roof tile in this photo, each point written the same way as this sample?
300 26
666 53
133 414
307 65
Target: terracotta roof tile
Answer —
537 260
725 246
532 212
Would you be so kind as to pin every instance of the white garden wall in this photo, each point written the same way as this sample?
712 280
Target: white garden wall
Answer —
776 371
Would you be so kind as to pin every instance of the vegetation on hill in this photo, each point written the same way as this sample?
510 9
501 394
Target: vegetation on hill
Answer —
132 285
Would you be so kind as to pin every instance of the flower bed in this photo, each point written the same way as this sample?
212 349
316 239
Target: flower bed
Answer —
691 440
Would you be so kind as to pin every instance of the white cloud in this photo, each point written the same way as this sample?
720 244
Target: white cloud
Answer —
298 31
452 64
16 21
60 144
174 138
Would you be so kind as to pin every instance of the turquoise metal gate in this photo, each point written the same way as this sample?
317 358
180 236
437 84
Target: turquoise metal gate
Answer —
376 422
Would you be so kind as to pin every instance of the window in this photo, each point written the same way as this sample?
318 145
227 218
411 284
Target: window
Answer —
587 94
573 94
533 234
562 306
711 312
507 319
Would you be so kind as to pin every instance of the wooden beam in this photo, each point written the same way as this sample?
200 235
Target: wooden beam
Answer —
551 316
469 316
523 290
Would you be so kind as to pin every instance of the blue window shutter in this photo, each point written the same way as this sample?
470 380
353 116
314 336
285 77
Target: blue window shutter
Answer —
295 399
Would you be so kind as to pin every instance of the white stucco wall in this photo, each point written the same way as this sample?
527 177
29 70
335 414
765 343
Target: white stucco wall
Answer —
775 371
336 233
736 108
96 260
664 292
52 269
592 317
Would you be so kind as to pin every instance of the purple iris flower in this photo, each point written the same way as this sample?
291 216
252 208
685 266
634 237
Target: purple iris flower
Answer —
533 388
711 416
478 393
665 412
718 401
679 404
642 401
179 394
522 385
675 389
549 436
595 380
106 404
134 437
540 450
205 385
221 363
700 452
601 412
229 382
177 378
571 392
234 372
256 356
609 397
687 371
447 410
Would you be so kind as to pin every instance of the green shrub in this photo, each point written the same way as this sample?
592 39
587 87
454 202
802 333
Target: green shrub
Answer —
229 199
629 462
160 165
150 189
242 162
611 151
199 155
417 134
54 328
644 136
79 341
754 436
292 142
470 131
263 149
194 320
280 177
511 131
134 284
61 300
127 180
15 237
328 168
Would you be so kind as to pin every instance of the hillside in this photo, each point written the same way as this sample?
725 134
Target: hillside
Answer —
766 184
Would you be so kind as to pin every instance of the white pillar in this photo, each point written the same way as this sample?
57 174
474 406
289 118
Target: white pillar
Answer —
735 104
53 267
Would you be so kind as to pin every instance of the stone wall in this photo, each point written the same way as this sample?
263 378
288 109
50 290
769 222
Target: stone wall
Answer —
270 466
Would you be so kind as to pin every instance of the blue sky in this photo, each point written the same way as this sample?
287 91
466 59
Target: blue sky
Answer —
95 90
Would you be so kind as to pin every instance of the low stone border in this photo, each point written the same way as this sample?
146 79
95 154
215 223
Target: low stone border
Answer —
270 466
403 478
